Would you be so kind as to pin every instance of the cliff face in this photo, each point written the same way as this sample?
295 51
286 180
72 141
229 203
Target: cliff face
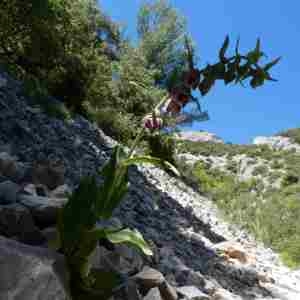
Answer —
277 142
199 136
197 255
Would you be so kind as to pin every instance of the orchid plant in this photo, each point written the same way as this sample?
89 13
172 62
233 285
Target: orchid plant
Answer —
78 232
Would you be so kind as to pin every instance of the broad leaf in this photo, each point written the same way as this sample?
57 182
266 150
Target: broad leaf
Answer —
152 160
131 237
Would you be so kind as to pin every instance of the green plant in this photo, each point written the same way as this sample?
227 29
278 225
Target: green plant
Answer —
289 179
78 233
260 170
162 146
276 164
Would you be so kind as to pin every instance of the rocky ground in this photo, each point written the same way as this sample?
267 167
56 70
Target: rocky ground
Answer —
197 255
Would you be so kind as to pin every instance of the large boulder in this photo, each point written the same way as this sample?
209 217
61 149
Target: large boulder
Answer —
43 209
30 273
17 222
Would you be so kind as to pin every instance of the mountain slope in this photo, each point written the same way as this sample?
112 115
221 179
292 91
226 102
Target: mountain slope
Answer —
193 244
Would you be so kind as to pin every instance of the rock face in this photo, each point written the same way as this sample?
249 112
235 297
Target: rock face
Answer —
199 136
277 142
197 255
28 273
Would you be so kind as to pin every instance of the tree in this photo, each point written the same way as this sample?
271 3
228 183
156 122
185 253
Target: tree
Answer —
62 43
162 31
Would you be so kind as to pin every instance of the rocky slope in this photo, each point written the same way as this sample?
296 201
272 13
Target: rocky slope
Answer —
197 254
277 142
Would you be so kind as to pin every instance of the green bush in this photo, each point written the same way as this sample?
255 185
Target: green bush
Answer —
293 133
162 146
290 178
271 215
276 164
120 126
40 96
260 170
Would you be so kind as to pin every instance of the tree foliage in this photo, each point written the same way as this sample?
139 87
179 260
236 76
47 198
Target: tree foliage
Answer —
162 32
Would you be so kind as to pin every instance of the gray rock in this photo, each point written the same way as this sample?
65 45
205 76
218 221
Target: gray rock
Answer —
43 209
192 293
222 294
153 294
10 168
16 221
61 191
8 192
167 291
149 278
128 292
30 273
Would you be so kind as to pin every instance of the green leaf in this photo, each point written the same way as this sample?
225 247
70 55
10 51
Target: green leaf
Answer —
218 70
79 214
256 54
224 49
152 160
271 64
109 172
237 47
131 237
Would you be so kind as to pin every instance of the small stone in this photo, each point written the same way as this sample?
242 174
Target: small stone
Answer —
29 189
50 234
49 173
196 279
233 250
3 82
149 278
43 209
8 192
192 293
128 292
167 291
222 294
8 165
153 294
62 191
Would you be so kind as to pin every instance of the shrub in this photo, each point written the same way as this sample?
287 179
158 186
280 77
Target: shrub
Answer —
290 179
233 166
260 170
120 126
294 134
276 164
162 145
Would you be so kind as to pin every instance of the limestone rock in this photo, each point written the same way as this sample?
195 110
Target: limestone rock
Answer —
61 191
192 293
8 192
167 291
10 168
43 209
277 142
28 273
199 136
149 278
153 294
16 221
128 292
50 173
233 250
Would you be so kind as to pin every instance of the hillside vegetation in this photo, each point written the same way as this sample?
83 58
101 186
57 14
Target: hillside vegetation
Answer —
255 186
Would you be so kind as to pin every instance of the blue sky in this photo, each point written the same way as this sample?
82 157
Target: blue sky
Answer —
238 114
